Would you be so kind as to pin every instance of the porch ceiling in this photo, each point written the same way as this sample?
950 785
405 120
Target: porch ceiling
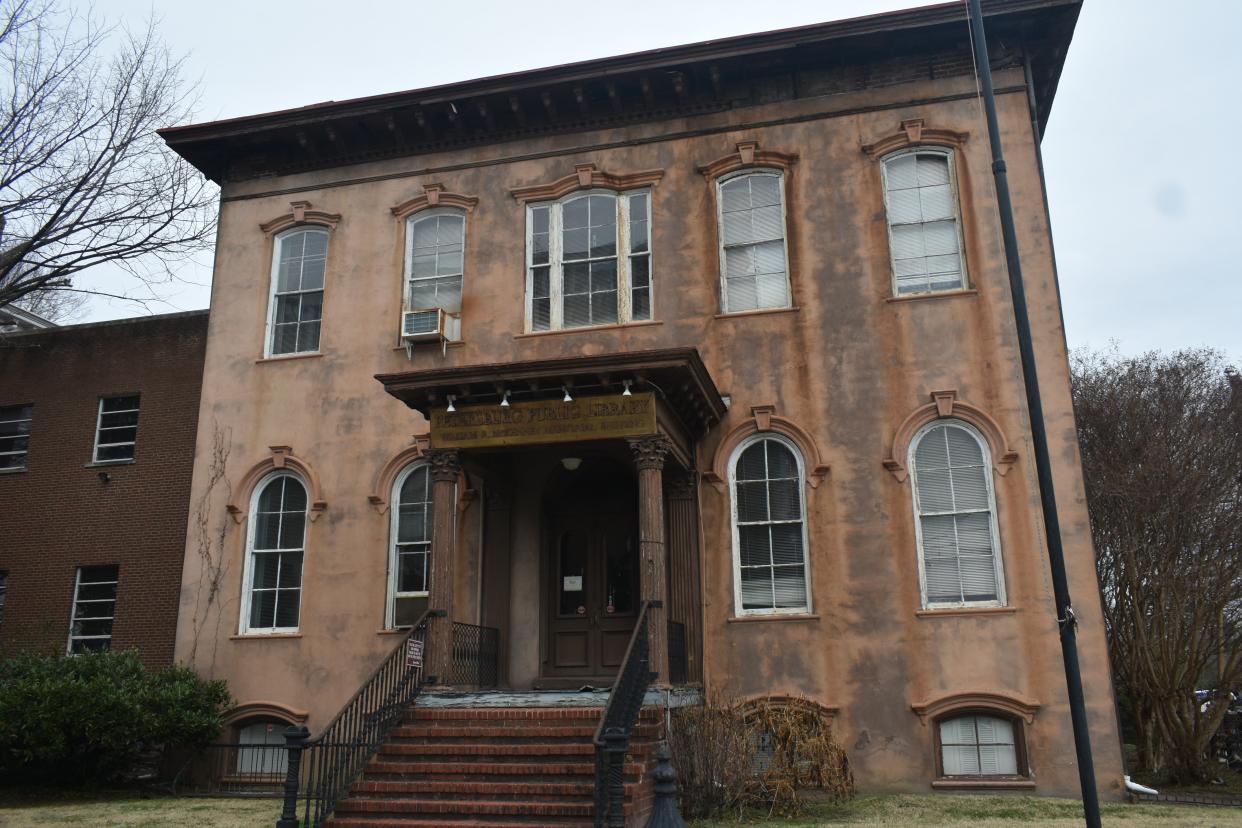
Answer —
676 375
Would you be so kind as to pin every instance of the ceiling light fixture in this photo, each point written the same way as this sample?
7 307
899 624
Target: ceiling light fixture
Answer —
567 397
571 463
627 384
504 401
450 408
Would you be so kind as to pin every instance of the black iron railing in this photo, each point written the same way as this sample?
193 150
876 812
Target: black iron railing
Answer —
233 769
320 771
677 665
616 723
476 653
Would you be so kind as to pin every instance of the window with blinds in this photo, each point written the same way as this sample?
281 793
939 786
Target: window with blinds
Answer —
277 545
411 546
752 242
589 261
434 265
769 532
924 233
978 746
297 291
955 509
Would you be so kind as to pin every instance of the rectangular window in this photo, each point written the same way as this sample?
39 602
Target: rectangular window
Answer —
117 430
753 262
94 607
924 235
589 261
978 746
296 311
14 435
4 590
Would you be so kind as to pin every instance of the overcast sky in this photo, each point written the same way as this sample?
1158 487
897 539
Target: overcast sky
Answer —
1143 193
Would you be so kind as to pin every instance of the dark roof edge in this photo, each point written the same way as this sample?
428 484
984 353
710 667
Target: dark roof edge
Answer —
601 67
129 320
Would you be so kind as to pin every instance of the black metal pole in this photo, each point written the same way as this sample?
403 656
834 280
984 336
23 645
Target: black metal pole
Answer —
1039 435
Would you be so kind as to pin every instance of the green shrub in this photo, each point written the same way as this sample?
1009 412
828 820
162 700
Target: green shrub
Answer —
88 718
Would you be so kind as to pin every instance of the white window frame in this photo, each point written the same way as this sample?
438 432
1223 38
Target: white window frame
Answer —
73 610
1018 744
133 444
954 194
738 609
779 175
625 288
393 524
454 332
244 627
997 557
273 280
26 451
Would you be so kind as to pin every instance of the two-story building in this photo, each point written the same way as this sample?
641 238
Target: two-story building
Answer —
724 327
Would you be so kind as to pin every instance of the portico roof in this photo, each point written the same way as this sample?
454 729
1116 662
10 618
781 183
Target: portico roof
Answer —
677 376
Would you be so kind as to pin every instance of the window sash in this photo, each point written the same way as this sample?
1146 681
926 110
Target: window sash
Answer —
15 424
969 754
932 275
627 288
283 554
309 329
94 620
106 432
762 281
438 281
398 548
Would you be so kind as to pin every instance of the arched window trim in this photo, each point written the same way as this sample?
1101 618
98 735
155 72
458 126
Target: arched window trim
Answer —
948 151
1016 721
1001 599
738 609
625 286
779 173
394 517
244 627
278 238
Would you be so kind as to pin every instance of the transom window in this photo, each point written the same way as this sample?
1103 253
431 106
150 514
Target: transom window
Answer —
924 234
411 546
277 544
589 261
979 746
94 609
116 432
296 309
15 435
753 256
434 262
769 533
955 507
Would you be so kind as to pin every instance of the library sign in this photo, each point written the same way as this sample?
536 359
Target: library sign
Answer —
544 421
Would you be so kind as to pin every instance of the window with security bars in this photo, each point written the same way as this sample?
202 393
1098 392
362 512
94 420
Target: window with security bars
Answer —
15 435
277 545
434 263
752 242
297 291
923 225
411 546
116 432
769 533
94 609
589 261
959 549
978 746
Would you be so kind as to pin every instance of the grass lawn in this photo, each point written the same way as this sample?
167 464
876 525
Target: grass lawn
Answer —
129 811
963 811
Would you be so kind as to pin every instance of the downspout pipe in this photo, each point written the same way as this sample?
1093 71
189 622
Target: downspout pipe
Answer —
1039 436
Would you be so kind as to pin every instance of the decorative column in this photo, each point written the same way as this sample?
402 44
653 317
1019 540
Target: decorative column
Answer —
445 470
649 454
683 557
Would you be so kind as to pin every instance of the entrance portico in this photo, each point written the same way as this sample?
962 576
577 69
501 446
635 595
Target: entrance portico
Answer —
588 508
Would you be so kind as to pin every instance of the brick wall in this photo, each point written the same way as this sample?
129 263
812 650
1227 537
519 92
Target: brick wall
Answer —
58 514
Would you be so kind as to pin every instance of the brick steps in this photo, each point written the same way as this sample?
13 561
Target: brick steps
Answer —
493 767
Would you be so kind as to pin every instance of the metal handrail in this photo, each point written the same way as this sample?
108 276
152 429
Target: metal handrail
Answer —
617 721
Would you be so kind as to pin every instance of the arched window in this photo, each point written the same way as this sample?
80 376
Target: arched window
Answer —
980 745
753 261
769 530
589 260
955 511
924 233
296 305
262 750
434 263
410 550
276 545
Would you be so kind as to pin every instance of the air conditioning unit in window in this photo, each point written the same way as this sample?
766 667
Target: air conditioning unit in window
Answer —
423 325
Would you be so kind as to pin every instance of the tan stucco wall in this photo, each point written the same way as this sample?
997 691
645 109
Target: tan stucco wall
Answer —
847 366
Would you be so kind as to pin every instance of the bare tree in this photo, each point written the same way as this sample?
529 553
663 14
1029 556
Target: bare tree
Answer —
1162 458
84 179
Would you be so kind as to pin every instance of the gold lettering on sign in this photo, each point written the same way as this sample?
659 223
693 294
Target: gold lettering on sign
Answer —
544 421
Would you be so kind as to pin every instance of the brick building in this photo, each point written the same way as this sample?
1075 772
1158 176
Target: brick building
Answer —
97 428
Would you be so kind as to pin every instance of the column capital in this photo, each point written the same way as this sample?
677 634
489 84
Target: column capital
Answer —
445 464
649 452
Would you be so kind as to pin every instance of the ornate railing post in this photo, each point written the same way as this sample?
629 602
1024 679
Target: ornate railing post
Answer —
295 741
665 814
616 744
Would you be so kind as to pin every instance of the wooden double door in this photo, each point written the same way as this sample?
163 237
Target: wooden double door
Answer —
594 592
